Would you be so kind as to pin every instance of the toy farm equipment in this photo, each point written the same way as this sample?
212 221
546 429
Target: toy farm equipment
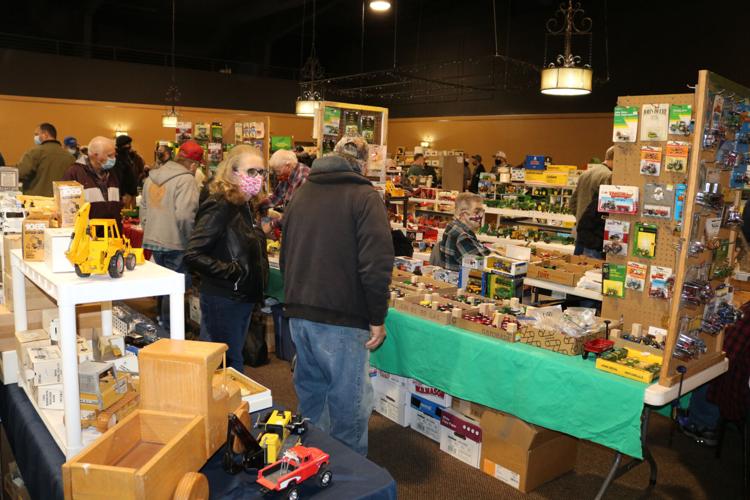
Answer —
245 451
96 247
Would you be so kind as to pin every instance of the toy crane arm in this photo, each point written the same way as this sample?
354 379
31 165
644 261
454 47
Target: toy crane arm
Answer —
78 249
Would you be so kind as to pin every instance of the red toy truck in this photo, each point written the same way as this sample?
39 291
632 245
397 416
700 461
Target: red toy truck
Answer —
298 464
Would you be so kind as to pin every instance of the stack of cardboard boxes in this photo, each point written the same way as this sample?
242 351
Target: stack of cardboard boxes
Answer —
517 453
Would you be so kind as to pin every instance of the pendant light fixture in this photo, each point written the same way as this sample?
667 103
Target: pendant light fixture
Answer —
380 5
567 76
169 120
310 96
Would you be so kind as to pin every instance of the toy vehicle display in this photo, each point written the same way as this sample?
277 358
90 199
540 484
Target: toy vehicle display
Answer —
96 247
597 347
296 466
245 451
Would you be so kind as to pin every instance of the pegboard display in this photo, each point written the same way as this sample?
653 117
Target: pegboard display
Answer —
638 306
700 248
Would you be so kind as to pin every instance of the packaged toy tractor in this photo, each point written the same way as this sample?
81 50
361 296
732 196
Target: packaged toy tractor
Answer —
96 247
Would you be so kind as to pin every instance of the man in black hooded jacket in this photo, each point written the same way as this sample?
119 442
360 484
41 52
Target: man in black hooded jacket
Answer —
337 260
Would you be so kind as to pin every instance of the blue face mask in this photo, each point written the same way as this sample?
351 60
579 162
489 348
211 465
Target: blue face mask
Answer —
37 140
108 163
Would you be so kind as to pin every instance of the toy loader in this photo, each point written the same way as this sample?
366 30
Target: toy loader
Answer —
96 247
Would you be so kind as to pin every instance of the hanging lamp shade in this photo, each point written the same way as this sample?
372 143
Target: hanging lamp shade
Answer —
305 107
169 120
380 5
567 81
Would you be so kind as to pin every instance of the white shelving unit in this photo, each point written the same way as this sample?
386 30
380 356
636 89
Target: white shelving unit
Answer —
69 290
531 214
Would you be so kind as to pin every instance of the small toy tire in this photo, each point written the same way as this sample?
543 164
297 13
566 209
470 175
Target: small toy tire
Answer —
130 261
80 273
116 265
324 477
585 355
292 493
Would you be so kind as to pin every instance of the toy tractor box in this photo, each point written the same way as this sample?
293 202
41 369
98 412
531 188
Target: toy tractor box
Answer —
68 200
32 236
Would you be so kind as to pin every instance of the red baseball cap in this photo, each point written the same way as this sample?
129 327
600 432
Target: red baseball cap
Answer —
191 150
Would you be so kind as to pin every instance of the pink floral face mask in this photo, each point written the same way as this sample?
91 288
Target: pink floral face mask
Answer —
250 186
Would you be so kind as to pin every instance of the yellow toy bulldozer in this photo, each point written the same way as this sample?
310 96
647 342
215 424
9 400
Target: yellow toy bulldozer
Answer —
96 247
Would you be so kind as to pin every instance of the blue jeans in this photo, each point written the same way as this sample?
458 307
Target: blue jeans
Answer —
173 260
701 412
331 379
226 320
594 254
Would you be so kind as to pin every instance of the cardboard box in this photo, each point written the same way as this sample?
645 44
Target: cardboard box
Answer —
68 199
488 330
469 408
10 242
555 340
50 397
424 416
412 304
424 284
9 367
56 243
534 162
430 393
461 437
46 364
523 455
391 409
533 176
393 387
558 271
408 264
556 178
562 168
32 235
27 339
507 266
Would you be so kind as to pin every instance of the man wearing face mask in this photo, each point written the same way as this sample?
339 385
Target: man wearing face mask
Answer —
459 238
500 161
100 187
168 206
44 163
128 169
71 146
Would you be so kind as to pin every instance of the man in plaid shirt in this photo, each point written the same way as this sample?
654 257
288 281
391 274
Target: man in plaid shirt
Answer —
291 175
459 238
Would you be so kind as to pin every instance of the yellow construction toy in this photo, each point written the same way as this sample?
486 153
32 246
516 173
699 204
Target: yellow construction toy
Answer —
393 191
96 247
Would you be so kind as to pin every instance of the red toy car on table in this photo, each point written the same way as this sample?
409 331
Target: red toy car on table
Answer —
298 464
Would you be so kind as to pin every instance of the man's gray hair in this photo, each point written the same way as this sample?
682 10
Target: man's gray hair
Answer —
465 200
282 157
99 143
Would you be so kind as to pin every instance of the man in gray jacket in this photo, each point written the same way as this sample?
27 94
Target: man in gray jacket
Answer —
168 206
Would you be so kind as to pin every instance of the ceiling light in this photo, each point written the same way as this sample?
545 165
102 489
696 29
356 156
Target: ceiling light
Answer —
567 76
120 132
305 107
380 5
169 120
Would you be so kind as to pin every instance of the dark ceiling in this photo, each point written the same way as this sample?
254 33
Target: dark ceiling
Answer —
638 47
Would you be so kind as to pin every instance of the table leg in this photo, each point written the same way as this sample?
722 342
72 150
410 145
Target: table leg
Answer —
177 316
20 317
71 395
618 469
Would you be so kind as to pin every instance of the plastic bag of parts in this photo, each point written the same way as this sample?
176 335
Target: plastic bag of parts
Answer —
580 321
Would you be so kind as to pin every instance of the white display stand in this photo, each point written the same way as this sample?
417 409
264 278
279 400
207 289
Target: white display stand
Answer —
69 290
567 290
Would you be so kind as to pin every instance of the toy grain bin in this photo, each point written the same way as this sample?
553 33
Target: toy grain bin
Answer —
177 376
149 454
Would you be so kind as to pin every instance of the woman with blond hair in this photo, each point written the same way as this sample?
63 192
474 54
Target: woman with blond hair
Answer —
228 251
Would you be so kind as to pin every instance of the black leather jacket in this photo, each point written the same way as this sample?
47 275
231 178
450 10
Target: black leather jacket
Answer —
228 251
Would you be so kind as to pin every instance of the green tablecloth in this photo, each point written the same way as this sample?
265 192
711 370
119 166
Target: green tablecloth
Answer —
564 393
275 286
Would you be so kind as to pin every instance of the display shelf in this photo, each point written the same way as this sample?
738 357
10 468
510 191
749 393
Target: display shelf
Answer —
68 290
537 184
567 290
532 214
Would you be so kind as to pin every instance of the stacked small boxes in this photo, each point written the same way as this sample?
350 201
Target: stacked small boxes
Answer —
391 393
39 367
425 409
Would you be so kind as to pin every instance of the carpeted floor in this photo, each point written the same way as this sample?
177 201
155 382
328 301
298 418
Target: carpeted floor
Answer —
686 470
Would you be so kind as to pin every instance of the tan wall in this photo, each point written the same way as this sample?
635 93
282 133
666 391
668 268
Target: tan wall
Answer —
571 139
86 119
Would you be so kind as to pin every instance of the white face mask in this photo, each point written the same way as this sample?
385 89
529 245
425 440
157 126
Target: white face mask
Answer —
37 140
72 151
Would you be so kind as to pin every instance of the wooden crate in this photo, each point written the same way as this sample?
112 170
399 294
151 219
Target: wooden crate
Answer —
177 377
564 273
142 457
